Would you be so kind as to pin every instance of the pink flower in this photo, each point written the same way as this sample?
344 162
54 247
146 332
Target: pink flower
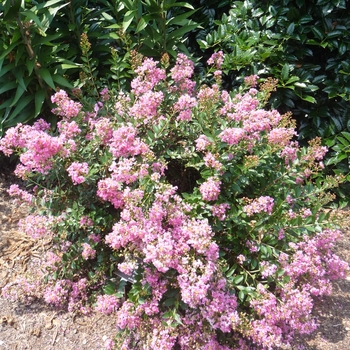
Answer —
36 226
146 107
281 136
216 58
251 80
104 94
184 106
110 190
125 143
219 210
211 162
232 136
241 259
182 72
210 189
107 304
306 212
15 191
267 269
78 171
68 130
261 204
202 143
85 221
88 252
51 261
65 106
103 129
148 76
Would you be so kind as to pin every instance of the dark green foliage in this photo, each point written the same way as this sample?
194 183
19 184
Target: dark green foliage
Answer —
29 68
40 49
304 44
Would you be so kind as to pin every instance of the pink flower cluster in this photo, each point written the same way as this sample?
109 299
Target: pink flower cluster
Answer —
88 252
313 259
67 293
146 107
210 189
148 76
36 226
281 136
184 106
38 147
107 304
181 73
68 129
232 136
210 161
124 142
21 290
279 321
251 80
216 59
78 172
15 191
167 242
65 106
202 143
261 204
219 210
51 261
102 129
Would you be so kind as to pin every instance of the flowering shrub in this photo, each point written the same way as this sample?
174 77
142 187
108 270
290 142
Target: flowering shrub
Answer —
187 212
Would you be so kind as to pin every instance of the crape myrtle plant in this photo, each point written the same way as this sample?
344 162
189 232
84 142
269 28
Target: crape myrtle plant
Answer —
187 212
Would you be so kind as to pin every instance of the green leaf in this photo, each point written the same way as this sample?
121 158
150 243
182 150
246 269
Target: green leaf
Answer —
22 104
346 135
177 318
290 29
9 49
178 4
50 3
19 78
39 100
61 81
8 86
19 92
285 72
292 79
231 270
309 98
46 75
318 34
169 302
128 18
31 15
178 33
11 8
263 249
142 24
178 20
238 279
109 288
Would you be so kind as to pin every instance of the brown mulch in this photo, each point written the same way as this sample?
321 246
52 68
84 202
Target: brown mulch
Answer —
37 326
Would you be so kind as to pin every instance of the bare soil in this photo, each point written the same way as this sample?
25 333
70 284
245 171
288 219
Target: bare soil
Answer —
37 326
